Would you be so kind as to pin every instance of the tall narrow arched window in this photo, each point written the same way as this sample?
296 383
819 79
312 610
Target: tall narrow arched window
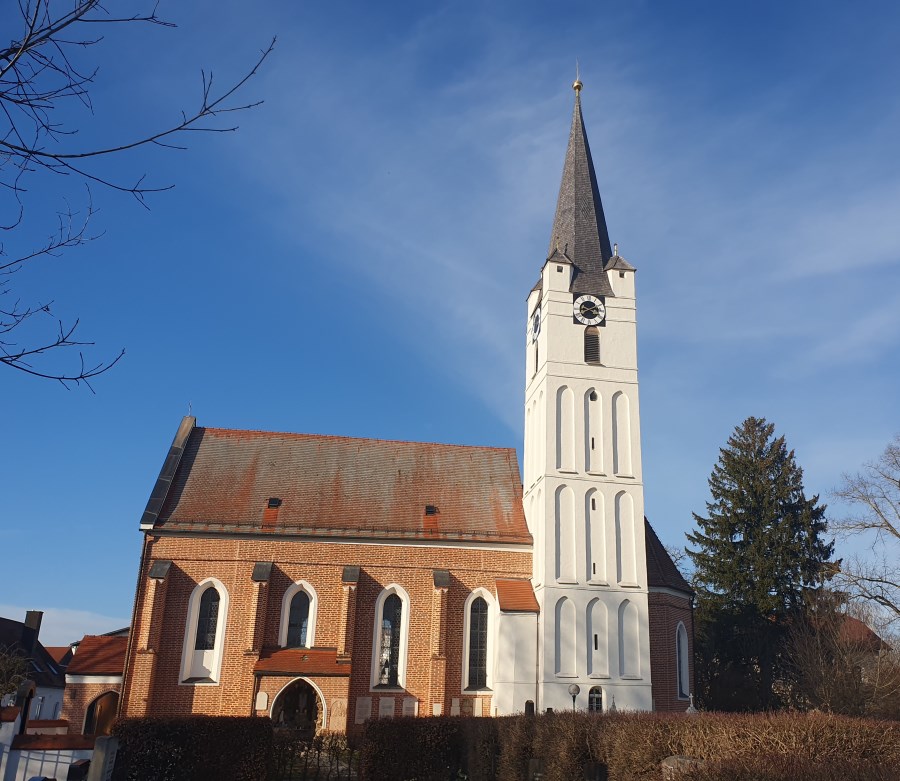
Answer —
298 616
592 344
682 662
478 641
207 620
204 636
389 654
298 620
478 637
595 700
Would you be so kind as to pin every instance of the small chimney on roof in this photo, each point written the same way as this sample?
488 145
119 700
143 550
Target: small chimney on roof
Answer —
31 629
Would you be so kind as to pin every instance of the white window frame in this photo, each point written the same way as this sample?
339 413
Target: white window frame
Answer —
467 623
293 590
682 669
190 633
393 588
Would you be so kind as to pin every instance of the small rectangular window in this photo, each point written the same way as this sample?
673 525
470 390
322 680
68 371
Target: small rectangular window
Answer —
594 568
592 443
596 643
559 268
593 502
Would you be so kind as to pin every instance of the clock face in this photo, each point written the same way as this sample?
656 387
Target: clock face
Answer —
589 310
535 324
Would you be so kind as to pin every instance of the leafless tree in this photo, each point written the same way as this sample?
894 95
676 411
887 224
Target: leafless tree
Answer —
40 75
13 671
874 494
841 660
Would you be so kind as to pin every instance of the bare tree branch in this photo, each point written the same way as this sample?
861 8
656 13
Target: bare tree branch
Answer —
39 73
875 495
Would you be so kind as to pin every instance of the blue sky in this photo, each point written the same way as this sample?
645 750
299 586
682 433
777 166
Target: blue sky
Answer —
355 259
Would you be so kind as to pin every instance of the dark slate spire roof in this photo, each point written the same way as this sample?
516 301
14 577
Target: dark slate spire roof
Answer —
579 228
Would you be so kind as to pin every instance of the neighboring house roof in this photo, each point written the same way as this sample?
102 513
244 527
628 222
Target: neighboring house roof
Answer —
301 661
661 570
42 668
516 595
856 632
223 481
61 654
99 655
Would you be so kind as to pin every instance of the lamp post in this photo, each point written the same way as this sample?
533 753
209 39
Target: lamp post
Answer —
574 691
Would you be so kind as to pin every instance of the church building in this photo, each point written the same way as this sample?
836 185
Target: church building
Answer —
323 581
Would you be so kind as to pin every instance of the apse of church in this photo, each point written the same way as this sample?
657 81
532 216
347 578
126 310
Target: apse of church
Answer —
323 581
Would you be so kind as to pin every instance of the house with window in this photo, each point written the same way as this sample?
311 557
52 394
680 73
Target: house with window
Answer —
323 581
41 697
94 682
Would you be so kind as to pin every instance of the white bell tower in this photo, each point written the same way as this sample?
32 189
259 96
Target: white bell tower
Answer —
583 490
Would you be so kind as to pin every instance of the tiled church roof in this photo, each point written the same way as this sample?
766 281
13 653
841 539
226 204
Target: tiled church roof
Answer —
326 486
661 570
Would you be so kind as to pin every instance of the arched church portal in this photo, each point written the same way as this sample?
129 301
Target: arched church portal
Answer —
300 706
101 714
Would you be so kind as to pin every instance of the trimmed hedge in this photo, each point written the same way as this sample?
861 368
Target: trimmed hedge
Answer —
631 746
429 749
193 748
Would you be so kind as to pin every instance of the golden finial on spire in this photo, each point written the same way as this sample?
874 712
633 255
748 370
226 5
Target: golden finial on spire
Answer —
577 85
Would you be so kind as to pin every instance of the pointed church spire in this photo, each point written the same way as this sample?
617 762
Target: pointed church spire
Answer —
579 228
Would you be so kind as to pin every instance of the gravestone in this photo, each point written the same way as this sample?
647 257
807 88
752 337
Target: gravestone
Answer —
103 760
363 709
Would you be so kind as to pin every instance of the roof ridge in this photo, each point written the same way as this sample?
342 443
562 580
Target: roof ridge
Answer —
307 435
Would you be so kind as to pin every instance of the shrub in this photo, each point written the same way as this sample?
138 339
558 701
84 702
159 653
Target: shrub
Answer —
784 767
193 748
432 749
631 746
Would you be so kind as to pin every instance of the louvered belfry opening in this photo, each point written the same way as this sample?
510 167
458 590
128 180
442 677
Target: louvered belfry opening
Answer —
592 344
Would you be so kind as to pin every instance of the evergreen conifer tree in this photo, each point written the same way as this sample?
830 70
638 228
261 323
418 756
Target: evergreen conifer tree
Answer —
759 548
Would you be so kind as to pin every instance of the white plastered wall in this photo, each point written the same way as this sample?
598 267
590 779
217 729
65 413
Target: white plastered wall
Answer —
610 559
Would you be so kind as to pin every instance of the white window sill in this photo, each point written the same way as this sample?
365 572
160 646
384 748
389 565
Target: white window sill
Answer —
198 682
566 675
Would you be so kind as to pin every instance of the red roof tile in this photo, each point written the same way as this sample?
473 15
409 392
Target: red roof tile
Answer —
344 487
99 655
301 661
60 653
855 632
517 596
